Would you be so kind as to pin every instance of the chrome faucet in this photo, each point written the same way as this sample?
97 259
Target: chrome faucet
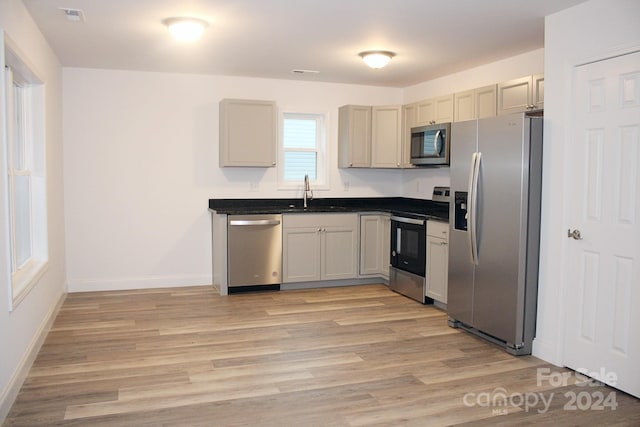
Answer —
308 194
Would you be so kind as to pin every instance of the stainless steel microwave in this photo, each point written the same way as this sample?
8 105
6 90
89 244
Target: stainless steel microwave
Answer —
430 144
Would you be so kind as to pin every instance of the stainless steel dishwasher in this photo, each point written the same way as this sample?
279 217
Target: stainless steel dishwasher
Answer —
254 251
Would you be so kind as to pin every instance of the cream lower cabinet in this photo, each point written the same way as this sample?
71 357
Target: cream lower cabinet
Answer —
319 247
375 242
437 260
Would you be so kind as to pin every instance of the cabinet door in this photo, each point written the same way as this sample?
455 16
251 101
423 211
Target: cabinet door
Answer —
443 109
339 253
301 254
538 91
371 245
247 133
385 256
354 136
425 112
464 106
437 268
515 95
386 136
409 120
486 102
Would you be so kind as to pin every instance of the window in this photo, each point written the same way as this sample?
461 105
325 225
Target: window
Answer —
23 141
303 149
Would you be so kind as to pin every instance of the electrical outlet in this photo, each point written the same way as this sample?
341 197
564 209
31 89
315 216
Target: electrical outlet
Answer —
253 186
417 186
346 185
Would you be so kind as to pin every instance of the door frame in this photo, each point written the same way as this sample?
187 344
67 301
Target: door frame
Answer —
570 135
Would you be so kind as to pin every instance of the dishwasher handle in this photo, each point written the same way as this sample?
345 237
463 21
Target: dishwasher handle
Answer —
245 222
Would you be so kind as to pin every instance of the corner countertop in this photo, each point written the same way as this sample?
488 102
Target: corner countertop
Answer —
414 208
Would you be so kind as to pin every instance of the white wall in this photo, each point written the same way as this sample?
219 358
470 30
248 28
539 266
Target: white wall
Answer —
141 162
419 183
21 329
590 31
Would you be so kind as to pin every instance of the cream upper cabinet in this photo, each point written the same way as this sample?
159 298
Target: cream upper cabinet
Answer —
444 109
375 242
247 133
437 260
518 95
354 136
538 90
369 136
476 103
464 106
319 247
425 112
409 120
436 110
386 136
486 101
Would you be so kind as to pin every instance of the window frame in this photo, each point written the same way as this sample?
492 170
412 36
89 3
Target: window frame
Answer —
322 177
15 70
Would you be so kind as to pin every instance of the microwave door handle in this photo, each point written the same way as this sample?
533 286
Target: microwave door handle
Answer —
437 145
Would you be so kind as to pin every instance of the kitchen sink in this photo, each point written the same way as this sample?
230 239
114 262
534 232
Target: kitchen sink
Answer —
293 209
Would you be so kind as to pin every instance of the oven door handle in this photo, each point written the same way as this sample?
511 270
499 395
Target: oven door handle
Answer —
408 220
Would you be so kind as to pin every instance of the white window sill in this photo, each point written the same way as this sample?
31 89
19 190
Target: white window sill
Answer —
25 279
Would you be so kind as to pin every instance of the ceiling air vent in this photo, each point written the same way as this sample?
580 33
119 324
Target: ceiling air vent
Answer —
75 15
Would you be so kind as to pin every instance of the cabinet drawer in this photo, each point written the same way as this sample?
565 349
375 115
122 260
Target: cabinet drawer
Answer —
320 220
438 229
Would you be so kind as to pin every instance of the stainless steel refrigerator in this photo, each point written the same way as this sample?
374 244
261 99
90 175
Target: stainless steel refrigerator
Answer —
496 174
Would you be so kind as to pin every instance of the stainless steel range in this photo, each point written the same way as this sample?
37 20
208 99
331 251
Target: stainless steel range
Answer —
408 258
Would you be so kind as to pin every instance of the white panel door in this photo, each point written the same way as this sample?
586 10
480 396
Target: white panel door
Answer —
603 299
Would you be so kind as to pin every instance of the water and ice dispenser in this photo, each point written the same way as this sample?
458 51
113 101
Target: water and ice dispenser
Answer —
460 212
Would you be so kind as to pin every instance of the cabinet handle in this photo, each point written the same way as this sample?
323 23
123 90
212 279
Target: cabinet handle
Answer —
319 230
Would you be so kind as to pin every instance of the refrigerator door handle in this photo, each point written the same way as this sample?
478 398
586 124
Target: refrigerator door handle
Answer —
472 234
472 169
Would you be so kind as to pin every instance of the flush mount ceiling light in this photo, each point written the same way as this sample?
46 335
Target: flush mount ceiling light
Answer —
186 29
376 58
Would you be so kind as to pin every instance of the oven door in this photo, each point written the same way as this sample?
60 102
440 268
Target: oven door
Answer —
408 245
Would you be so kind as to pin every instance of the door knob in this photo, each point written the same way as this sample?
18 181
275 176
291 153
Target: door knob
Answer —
575 234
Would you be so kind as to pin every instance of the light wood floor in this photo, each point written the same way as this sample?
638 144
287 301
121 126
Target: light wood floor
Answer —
351 356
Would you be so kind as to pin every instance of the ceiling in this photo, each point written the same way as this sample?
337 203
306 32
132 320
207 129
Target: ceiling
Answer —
270 38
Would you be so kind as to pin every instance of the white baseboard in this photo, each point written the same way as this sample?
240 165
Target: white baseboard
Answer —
10 393
137 283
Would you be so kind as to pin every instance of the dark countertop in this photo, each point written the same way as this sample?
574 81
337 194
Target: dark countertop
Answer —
415 208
